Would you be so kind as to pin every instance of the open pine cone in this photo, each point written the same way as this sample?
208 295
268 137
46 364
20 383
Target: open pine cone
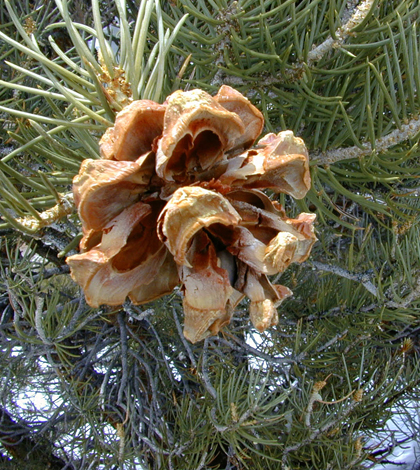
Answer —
176 199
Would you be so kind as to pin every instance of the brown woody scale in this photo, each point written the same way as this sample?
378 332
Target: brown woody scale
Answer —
176 199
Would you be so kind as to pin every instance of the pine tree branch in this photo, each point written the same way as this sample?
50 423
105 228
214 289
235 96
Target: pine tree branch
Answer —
205 371
407 131
411 297
360 13
363 278
48 217
357 16
241 346
124 349
182 337
225 44
21 442
318 432
47 273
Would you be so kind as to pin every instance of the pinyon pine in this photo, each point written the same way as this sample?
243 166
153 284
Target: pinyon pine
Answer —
119 385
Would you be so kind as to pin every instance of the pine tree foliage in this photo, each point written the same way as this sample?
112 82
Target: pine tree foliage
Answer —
121 387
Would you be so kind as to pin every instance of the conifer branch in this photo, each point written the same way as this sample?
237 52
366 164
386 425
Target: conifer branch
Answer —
205 371
411 297
124 348
25 446
360 13
363 278
318 432
184 341
291 74
62 209
224 45
398 136
39 312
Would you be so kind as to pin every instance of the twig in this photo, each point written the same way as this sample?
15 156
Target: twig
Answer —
202 461
124 349
363 278
152 383
76 315
130 310
318 432
333 312
332 341
342 33
316 397
39 310
93 351
223 30
184 341
205 372
162 350
105 381
300 357
292 74
239 421
407 131
63 208
246 347
413 295
158 450
65 269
